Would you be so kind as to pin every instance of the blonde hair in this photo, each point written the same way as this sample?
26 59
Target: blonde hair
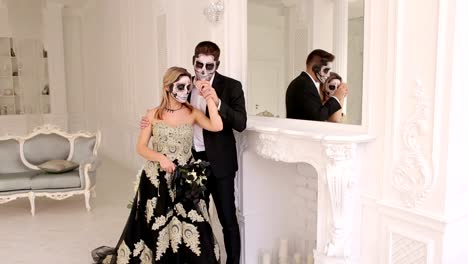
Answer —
172 75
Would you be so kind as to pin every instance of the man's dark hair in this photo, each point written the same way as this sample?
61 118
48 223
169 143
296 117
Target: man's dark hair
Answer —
207 48
319 56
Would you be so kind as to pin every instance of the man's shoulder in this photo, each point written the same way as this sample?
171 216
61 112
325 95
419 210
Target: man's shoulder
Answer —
299 81
229 80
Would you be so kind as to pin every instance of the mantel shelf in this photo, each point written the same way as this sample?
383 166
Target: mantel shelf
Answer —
310 130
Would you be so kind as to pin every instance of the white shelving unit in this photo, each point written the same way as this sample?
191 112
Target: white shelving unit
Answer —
7 94
23 77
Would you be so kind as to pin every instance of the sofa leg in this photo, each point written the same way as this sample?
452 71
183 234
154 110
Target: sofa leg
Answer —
32 202
87 195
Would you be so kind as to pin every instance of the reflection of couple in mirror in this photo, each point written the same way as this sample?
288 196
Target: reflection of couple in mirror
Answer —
317 93
193 156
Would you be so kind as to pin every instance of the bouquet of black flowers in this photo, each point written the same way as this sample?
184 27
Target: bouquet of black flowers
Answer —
190 180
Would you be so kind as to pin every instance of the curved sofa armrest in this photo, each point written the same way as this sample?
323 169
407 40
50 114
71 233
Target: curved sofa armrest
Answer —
94 161
88 169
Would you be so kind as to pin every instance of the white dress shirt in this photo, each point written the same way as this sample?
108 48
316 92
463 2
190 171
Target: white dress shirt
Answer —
198 102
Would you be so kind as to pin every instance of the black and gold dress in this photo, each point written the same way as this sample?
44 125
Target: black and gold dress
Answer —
161 229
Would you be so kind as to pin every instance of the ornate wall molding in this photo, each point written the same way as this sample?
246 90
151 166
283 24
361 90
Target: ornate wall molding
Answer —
413 175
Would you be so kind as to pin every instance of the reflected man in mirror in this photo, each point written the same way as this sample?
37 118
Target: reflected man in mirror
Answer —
304 97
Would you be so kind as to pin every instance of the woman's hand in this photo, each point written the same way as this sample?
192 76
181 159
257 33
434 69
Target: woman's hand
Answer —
207 91
167 165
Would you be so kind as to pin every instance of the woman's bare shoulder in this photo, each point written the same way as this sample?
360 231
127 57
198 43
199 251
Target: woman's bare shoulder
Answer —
151 113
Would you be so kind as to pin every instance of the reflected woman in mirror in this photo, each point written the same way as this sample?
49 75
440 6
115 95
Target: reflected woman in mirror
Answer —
303 96
328 90
168 223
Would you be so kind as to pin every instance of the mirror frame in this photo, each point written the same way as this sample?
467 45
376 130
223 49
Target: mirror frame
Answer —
235 40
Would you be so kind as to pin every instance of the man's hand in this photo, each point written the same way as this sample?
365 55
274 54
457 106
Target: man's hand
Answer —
144 122
207 91
342 91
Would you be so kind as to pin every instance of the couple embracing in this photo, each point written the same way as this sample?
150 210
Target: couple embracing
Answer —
191 128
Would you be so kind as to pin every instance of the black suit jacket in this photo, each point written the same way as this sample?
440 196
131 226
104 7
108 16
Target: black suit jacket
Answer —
303 101
220 146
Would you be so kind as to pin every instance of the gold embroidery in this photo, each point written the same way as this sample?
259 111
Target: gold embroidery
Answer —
123 254
158 222
152 171
107 260
174 147
175 233
163 243
150 205
138 248
195 217
180 210
203 209
191 238
146 256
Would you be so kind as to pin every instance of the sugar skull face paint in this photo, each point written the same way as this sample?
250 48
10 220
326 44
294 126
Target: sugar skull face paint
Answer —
331 85
323 72
181 89
205 66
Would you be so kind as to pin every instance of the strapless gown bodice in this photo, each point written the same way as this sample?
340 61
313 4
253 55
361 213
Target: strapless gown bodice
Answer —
174 142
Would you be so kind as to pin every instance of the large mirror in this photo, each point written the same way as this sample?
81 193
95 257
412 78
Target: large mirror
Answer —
281 35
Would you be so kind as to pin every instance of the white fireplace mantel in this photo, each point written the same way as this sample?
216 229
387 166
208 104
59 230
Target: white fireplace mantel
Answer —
334 150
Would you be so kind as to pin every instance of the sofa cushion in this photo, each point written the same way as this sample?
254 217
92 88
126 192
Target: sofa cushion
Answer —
58 166
65 180
44 147
10 157
16 181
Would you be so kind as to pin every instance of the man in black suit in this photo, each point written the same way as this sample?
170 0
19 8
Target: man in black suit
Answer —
303 97
219 148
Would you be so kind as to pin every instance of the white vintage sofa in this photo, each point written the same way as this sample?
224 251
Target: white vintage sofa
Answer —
19 155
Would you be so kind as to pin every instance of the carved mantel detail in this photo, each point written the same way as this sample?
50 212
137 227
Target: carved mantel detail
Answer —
340 180
334 158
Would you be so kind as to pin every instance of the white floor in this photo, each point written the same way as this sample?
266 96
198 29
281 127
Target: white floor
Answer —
63 232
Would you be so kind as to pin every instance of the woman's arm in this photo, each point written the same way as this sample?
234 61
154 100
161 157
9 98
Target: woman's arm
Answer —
214 123
149 154
336 117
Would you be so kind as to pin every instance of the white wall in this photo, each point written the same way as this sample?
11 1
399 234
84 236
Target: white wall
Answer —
72 35
123 62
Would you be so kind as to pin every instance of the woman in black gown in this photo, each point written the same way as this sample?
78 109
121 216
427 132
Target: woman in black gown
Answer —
162 227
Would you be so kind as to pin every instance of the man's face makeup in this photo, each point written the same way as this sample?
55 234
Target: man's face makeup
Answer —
324 72
331 86
204 66
181 89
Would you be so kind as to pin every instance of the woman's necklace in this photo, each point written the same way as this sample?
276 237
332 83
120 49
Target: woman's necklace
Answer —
170 110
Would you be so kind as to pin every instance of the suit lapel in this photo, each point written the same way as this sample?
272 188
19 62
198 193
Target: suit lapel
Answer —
217 84
219 88
312 85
